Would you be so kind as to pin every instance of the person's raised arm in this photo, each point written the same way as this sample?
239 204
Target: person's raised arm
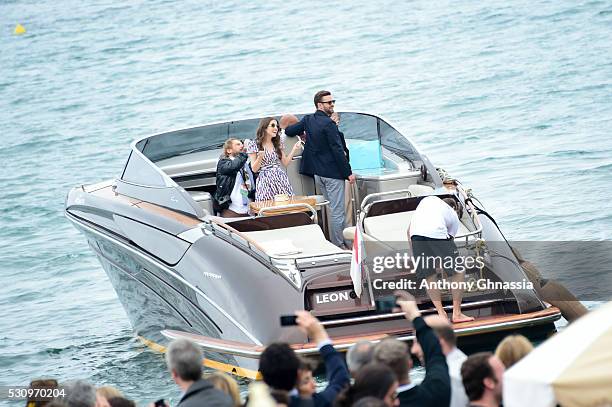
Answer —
311 326
408 305
286 160
295 129
231 167
256 160
335 145
255 155
436 385
337 373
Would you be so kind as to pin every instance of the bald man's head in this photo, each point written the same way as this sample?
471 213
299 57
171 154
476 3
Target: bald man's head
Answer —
287 120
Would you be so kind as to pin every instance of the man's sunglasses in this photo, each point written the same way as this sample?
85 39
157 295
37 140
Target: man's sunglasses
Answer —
330 102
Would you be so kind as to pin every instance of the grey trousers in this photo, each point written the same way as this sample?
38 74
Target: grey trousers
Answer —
333 191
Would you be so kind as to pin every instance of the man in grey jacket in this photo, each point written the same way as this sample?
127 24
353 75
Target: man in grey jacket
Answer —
184 360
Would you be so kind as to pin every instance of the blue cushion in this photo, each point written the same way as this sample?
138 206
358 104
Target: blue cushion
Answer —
364 154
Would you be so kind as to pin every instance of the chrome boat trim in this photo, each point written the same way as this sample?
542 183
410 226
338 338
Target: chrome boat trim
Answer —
255 352
365 206
193 234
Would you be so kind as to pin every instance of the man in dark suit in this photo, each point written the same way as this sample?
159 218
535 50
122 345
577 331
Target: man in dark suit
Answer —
279 365
326 158
435 389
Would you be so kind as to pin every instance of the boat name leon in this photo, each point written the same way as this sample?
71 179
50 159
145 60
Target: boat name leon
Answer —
470 285
333 297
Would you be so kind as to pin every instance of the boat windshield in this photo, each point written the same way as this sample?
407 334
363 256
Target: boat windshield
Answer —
203 138
365 136
362 139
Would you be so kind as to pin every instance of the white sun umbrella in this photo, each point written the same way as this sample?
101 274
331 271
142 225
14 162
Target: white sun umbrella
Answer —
573 368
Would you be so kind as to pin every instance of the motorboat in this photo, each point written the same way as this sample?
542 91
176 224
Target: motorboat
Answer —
181 271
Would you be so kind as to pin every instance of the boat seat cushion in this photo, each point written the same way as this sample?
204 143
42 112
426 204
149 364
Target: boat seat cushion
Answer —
349 233
296 241
420 190
391 228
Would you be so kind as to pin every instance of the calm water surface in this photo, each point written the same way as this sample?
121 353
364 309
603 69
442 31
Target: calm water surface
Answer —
512 98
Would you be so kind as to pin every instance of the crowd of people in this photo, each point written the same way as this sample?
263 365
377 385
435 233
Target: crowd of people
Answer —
371 375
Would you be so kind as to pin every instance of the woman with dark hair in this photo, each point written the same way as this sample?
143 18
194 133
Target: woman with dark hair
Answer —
373 380
266 155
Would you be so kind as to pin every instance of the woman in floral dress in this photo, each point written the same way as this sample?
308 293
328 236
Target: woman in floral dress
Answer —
268 159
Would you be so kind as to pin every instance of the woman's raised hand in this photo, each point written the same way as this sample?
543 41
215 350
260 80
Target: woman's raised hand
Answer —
297 146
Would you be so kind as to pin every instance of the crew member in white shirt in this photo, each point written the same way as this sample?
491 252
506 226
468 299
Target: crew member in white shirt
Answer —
434 224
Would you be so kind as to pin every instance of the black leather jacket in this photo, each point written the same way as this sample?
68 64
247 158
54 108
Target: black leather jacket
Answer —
227 169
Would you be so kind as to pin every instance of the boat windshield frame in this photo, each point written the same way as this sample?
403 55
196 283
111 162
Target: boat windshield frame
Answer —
142 178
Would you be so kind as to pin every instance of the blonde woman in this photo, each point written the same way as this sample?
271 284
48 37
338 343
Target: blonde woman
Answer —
227 385
512 349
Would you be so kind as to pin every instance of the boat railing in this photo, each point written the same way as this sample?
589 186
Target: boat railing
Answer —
288 269
222 230
365 205
323 259
343 344
477 233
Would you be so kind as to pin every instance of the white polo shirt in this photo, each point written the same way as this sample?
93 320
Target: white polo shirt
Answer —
435 219
237 205
454 360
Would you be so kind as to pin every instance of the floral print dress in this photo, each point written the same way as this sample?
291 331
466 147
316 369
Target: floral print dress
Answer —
272 178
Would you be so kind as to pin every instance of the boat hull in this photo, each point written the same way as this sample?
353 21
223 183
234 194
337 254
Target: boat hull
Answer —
152 305
201 299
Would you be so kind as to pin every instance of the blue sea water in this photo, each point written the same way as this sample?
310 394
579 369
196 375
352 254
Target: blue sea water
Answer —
512 98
